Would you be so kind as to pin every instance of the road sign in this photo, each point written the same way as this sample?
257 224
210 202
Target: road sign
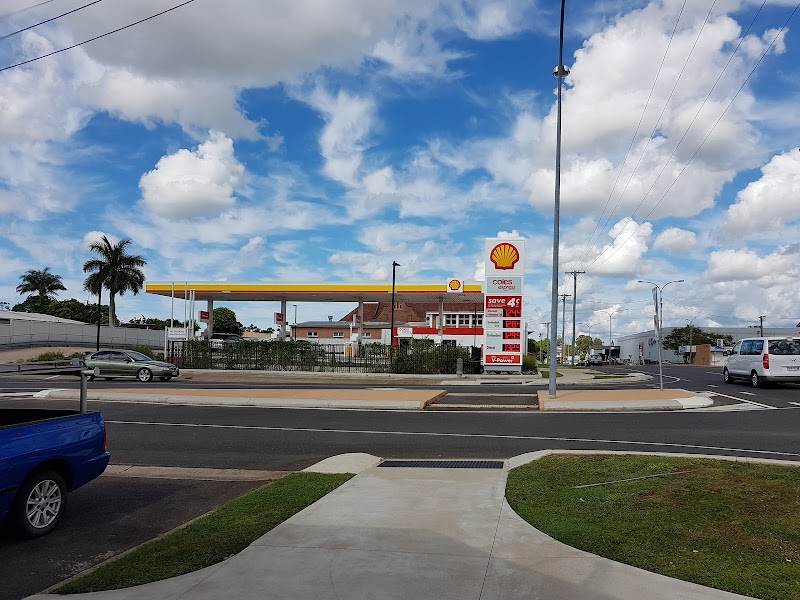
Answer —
204 316
176 333
279 318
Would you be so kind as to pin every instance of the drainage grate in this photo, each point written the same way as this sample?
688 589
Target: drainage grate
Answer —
444 464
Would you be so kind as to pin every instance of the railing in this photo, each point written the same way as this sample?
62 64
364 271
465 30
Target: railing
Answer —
74 366
309 357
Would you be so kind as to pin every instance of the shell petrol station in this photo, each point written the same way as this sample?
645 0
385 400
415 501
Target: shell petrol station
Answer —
484 314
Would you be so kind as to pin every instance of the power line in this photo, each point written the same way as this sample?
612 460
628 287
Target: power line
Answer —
69 12
633 139
592 265
19 10
25 62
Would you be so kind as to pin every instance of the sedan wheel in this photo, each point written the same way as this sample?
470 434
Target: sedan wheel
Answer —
726 376
144 375
755 381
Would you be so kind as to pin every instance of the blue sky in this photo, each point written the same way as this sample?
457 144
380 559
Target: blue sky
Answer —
298 140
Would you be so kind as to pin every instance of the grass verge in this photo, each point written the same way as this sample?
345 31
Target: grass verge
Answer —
211 538
732 526
546 373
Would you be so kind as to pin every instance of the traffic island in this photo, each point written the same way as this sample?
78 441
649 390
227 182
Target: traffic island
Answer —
637 399
363 398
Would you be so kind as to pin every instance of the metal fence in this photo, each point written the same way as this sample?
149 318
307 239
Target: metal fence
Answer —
307 356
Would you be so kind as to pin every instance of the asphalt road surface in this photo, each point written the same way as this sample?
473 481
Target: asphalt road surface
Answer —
111 514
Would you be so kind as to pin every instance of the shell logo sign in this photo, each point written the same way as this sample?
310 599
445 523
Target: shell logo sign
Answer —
504 329
504 256
454 285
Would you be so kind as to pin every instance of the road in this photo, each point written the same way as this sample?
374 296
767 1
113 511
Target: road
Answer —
121 513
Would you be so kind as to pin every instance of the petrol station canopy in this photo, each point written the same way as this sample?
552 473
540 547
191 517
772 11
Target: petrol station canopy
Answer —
318 292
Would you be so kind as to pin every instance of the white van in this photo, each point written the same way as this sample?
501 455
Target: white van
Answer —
764 360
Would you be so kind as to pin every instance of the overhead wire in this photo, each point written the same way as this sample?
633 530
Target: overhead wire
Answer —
655 126
97 37
592 265
69 12
19 10
633 138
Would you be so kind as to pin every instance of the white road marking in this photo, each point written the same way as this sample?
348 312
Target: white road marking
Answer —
795 403
711 385
456 435
747 393
713 373
745 400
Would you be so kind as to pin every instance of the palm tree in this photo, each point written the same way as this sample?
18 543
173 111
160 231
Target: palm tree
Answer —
115 270
43 282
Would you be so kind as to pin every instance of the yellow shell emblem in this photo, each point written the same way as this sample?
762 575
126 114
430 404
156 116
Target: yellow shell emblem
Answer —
454 285
504 256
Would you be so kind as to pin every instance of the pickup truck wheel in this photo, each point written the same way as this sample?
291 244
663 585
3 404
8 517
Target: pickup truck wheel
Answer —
726 376
144 375
39 504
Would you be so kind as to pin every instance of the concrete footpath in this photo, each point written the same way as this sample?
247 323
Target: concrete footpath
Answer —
410 532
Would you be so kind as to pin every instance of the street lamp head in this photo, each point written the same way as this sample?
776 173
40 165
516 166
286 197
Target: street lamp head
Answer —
395 263
561 71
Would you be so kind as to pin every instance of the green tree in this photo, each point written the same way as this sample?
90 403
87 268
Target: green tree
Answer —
114 269
44 283
225 321
681 336
66 309
582 344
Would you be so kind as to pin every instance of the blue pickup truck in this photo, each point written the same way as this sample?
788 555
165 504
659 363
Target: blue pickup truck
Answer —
45 453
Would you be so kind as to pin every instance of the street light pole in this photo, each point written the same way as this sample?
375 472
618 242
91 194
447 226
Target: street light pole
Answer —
294 332
395 264
560 72
660 297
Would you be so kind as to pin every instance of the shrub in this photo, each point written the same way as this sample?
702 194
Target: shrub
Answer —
529 364
147 351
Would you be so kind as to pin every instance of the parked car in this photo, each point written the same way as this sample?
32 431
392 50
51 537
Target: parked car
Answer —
45 453
112 364
764 360
595 360
218 340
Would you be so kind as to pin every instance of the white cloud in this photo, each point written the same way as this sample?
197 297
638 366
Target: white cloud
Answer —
348 120
193 183
92 237
623 256
676 241
389 237
771 201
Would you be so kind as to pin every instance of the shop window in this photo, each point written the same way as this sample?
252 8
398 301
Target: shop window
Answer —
450 319
312 334
338 334
463 320
367 334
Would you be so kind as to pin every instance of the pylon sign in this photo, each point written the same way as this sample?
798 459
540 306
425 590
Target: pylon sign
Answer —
503 344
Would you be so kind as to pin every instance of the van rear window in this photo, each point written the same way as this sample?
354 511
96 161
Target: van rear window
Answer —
785 347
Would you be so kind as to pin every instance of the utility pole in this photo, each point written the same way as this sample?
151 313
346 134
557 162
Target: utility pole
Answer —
563 315
574 304
761 324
